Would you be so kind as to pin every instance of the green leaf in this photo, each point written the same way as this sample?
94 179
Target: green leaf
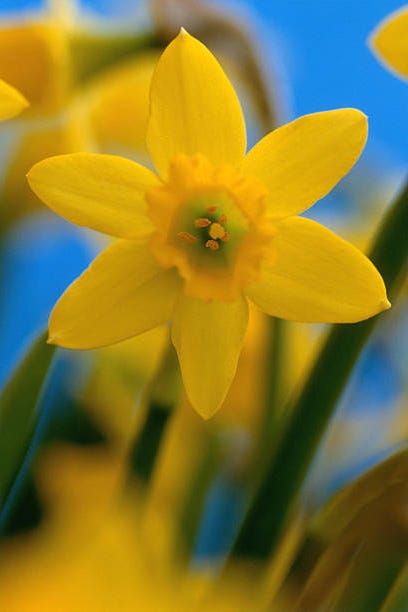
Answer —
145 450
312 410
397 599
382 480
160 398
20 409
366 538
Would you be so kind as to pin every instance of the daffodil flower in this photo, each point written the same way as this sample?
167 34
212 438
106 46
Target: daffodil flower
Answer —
389 42
212 229
12 102
34 59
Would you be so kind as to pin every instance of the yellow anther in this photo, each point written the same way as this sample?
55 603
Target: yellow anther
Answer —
212 244
211 209
223 219
187 237
225 237
202 222
216 231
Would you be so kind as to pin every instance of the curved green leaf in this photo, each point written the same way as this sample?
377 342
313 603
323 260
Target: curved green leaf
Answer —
366 541
20 410
397 598
383 479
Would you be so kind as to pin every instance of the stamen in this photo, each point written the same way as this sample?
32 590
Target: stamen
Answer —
212 244
202 222
223 219
216 231
225 237
211 209
189 238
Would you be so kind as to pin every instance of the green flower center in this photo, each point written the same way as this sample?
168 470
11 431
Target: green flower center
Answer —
210 224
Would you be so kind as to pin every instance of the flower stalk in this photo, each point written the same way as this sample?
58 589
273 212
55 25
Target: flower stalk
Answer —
160 398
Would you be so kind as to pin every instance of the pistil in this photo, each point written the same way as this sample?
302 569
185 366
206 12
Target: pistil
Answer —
216 231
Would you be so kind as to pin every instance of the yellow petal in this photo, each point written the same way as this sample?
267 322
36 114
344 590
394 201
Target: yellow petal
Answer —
193 107
390 42
208 337
122 294
302 161
12 102
318 277
103 192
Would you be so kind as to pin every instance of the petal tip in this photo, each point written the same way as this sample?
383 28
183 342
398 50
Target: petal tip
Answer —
205 413
183 36
14 101
32 176
202 408
361 122
383 305
360 116
24 103
32 171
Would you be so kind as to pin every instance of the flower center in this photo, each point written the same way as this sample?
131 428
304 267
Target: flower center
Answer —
210 230
213 232
210 225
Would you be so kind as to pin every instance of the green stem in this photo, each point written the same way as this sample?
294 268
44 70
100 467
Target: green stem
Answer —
144 452
160 397
92 52
312 410
192 509
22 418
275 383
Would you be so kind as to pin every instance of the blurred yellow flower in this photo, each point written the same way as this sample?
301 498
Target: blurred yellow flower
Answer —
216 228
12 102
34 57
118 105
37 139
389 42
55 54
91 552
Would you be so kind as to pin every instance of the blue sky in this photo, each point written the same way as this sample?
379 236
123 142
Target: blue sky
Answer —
328 64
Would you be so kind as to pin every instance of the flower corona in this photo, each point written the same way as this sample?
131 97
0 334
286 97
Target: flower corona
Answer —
210 225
